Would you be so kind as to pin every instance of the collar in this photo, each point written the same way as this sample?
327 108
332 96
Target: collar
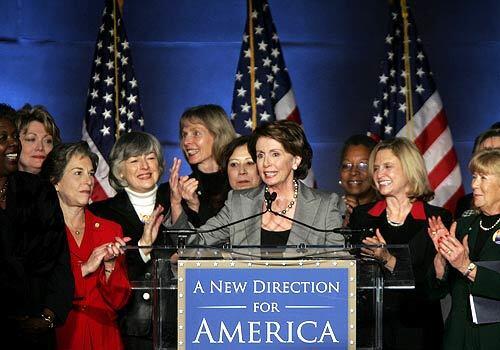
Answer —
137 198
417 209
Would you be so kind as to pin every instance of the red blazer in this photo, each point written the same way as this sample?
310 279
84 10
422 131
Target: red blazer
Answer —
91 324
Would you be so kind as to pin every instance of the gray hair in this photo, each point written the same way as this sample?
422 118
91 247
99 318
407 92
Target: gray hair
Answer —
53 167
132 144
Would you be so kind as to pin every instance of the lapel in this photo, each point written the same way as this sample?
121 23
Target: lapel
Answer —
306 211
133 224
251 204
472 231
86 245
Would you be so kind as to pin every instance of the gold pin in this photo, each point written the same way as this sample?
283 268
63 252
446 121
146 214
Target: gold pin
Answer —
96 225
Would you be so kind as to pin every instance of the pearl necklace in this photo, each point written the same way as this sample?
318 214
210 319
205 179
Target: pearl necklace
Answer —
393 223
295 194
488 228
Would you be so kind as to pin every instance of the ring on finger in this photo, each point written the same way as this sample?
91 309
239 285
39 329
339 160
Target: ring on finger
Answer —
433 233
448 251
109 245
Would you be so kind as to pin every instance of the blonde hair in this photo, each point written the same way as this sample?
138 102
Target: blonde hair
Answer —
215 119
486 161
412 163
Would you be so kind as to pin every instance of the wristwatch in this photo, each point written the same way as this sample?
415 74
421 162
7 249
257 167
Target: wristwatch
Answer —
471 267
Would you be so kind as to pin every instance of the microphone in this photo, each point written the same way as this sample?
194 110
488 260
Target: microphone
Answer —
270 198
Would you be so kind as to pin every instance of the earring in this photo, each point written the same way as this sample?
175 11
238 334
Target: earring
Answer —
294 167
340 182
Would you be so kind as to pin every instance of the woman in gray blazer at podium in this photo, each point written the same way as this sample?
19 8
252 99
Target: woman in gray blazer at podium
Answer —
283 156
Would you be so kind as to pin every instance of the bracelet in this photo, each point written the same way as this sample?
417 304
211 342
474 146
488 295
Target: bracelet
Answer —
48 319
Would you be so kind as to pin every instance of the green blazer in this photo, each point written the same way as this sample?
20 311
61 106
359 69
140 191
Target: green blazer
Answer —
460 331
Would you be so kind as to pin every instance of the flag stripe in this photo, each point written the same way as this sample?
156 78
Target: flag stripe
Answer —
444 167
428 127
432 131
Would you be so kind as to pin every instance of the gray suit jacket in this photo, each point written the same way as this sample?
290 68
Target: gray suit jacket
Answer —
315 208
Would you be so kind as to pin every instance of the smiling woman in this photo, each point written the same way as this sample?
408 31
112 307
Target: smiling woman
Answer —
354 177
398 172
136 166
36 285
204 132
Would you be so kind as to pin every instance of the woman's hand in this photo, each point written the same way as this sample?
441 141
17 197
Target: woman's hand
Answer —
454 251
187 188
150 231
95 259
173 181
381 253
437 230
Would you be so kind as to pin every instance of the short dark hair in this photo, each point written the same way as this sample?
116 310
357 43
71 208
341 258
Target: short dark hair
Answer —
357 140
6 111
57 160
38 113
494 132
231 146
292 138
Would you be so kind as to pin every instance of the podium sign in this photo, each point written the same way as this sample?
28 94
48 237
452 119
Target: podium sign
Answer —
267 304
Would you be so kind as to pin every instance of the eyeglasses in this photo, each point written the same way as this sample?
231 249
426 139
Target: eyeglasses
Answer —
361 166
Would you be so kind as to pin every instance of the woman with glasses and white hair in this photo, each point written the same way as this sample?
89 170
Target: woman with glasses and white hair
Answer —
136 166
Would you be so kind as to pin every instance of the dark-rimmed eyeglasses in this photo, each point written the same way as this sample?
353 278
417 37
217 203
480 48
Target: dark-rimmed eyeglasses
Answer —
361 166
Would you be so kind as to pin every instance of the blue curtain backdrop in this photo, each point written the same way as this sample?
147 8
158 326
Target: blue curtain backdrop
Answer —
185 53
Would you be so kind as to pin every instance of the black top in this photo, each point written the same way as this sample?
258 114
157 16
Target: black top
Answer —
135 319
463 204
212 193
34 253
411 320
484 235
273 238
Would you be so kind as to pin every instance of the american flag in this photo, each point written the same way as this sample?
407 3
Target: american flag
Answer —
418 116
113 104
262 89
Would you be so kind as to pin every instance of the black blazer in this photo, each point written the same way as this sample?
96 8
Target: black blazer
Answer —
34 255
135 318
411 319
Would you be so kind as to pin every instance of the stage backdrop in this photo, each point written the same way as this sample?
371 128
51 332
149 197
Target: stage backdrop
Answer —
186 52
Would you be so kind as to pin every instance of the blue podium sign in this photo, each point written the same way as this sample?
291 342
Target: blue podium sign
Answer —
259 304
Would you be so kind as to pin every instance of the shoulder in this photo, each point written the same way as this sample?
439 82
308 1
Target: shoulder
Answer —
314 193
364 209
435 210
27 182
108 227
109 204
